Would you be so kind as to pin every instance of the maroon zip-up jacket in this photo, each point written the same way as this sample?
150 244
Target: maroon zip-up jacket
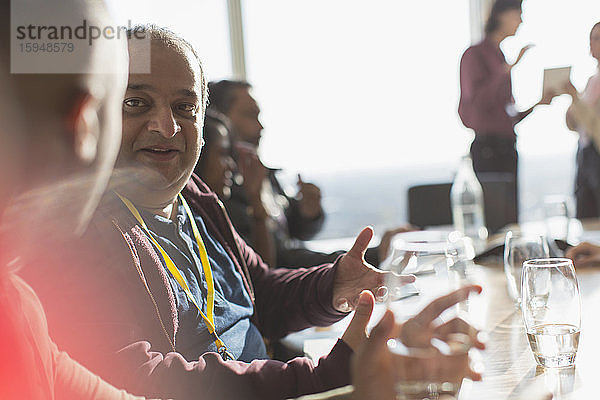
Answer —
110 306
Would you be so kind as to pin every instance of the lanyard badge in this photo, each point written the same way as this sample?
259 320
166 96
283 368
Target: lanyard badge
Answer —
210 297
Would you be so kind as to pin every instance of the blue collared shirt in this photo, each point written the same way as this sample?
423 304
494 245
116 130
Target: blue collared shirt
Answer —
233 306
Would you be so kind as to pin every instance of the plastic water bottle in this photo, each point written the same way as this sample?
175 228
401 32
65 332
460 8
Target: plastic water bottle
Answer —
466 197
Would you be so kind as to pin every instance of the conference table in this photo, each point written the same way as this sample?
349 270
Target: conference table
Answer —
510 371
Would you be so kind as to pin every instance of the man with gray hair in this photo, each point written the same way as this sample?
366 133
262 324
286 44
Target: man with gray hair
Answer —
161 266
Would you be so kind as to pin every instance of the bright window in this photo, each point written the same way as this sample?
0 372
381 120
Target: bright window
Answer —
361 97
202 22
356 84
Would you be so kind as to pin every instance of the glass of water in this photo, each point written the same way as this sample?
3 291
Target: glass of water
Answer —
551 310
460 251
519 248
419 252
556 217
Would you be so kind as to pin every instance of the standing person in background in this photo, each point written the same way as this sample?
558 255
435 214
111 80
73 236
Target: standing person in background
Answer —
583 116
486 102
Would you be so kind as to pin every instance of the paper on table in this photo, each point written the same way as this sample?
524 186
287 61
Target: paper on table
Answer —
555 79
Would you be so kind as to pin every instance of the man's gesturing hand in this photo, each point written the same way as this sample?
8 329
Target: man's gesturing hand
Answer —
353 276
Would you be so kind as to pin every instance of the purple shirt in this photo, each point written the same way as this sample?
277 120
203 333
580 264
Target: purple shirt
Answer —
486 102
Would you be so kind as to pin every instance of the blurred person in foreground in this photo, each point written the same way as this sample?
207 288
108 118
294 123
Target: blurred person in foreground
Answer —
69 142
486 101
165 288
583 116
291 220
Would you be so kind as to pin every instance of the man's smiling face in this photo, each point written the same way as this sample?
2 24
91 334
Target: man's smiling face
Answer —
162 118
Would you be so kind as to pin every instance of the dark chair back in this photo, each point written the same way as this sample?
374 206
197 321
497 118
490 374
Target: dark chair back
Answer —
429 205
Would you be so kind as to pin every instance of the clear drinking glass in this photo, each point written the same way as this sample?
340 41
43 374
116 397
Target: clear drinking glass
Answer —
459 251
519 248
556 217
419 252
551 310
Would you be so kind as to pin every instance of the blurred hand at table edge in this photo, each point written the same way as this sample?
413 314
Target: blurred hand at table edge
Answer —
373 368
383 249
584 255
353 275
420 329
356 333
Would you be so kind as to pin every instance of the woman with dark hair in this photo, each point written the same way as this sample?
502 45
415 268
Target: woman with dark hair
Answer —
584 117
486 102
216 165
217 168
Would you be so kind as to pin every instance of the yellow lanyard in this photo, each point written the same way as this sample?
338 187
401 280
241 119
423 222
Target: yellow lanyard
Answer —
210 297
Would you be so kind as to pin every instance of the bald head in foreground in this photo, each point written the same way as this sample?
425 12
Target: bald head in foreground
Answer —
60 133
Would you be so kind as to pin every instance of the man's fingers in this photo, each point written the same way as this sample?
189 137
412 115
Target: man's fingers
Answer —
404 279
361 243
583 249
458 325
439 305
572 253
343 305
381 294
585 255
383 330
585 261
364 308
474 376
355 334
406 259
